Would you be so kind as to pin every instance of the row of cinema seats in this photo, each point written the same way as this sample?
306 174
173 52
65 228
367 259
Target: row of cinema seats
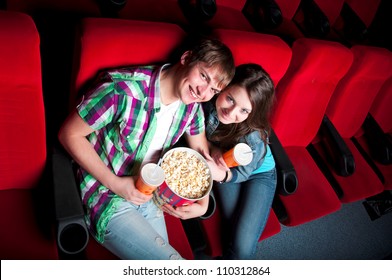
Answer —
320 85
346 21
323 101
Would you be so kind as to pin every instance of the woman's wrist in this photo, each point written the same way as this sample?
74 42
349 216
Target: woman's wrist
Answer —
227 177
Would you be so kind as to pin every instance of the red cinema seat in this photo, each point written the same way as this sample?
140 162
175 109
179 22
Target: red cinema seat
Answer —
302 97
274 55
27 230
347 110
110 43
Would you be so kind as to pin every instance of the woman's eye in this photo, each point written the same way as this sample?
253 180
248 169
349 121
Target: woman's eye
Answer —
244 111
203 76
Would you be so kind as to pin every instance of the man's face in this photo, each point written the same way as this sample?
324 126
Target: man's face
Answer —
199 83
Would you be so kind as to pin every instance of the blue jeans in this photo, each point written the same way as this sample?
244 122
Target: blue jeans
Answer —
245 209
139 232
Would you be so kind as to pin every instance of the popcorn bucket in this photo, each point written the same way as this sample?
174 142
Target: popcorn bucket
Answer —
190 162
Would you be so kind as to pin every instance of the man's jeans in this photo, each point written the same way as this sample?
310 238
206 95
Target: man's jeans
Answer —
139 232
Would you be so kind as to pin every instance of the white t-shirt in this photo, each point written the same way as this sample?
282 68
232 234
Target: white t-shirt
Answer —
164 121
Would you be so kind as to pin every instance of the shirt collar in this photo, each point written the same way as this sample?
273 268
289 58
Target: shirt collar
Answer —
155 85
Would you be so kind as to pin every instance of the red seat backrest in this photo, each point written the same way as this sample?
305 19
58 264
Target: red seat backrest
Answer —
22 114
304 92
107 43
271 52
355 93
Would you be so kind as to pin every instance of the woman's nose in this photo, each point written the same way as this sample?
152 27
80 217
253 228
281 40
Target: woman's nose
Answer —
232 113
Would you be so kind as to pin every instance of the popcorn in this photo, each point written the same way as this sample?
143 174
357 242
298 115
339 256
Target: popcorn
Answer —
186 174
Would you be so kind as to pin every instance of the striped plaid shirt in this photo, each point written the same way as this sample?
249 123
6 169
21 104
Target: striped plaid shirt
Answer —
121 109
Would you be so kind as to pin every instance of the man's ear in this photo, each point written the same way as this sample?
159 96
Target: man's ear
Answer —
185 57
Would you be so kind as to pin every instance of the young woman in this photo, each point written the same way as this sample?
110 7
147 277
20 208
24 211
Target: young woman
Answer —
240 113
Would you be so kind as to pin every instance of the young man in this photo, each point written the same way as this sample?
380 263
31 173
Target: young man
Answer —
131 116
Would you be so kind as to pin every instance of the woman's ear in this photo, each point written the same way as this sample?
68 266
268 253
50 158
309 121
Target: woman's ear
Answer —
185 57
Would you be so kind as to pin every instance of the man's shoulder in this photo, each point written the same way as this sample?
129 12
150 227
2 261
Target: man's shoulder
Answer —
131 73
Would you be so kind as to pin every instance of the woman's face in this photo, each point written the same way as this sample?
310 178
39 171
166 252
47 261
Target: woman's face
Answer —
233 105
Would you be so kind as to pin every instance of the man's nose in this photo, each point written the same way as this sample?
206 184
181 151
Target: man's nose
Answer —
202 90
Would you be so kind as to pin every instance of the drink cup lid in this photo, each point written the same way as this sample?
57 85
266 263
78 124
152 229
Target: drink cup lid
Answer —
243 154
153 174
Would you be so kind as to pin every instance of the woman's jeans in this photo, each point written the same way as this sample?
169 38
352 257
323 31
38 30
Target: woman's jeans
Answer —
245 209
139 232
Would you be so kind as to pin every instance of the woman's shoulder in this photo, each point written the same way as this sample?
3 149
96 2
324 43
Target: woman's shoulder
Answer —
253 137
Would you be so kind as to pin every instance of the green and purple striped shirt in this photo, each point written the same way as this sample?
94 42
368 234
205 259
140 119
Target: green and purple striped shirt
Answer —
121 109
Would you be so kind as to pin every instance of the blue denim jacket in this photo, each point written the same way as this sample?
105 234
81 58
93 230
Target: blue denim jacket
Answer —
240 173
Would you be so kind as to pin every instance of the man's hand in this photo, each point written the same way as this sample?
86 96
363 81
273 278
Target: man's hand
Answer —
193 210
125 187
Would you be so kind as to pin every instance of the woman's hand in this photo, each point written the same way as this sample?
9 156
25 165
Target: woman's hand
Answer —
125 187
193 210
216 155
218 172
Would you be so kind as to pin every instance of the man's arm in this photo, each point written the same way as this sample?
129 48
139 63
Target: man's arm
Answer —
199 143
72 136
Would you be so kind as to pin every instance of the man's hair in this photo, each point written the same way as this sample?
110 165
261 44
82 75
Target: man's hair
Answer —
214 54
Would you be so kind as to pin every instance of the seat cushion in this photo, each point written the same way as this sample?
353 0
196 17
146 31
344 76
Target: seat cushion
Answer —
314 197
26 228
363 183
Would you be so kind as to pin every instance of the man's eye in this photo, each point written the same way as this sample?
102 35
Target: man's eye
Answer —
203 76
